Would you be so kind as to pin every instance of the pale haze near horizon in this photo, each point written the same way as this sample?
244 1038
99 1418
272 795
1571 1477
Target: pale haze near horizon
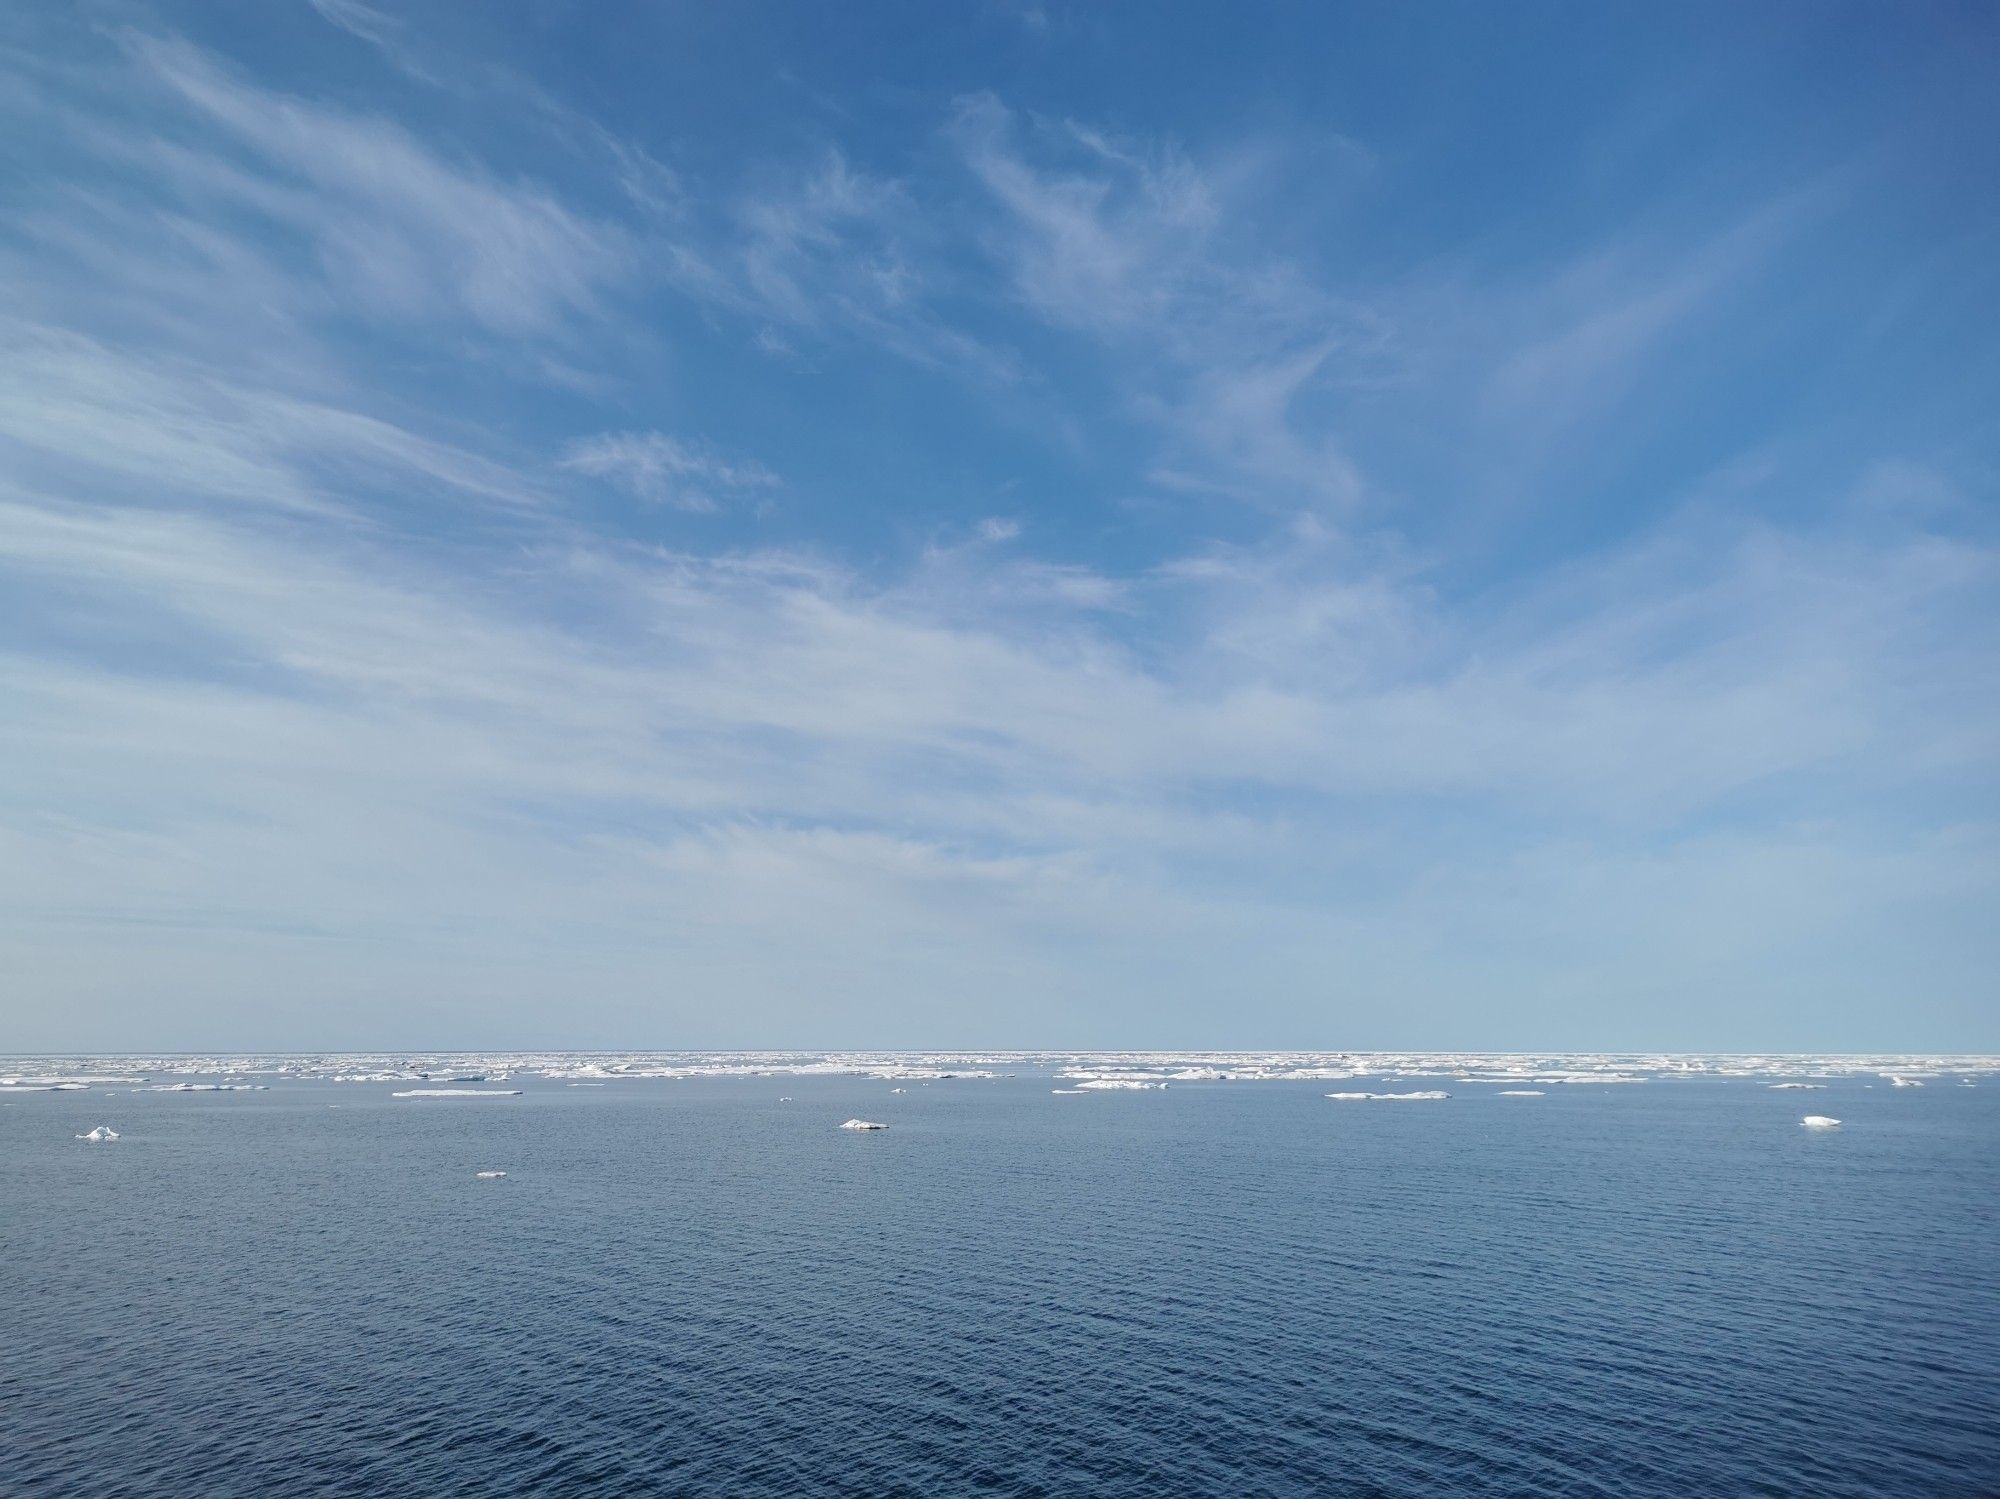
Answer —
1002 526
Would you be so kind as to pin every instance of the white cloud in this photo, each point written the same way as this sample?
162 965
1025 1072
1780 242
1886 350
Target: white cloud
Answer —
665 470
401 231
1224 345
827 250
71 403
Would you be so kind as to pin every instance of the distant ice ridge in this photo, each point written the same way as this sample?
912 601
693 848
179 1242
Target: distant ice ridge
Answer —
1506 1069
863 1124
459 1093
1390 1097
1819 1121
103 1134
206 1088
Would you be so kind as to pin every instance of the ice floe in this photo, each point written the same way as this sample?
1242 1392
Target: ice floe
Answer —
101 1135
863 1124
1781 1087
1421 1096
1904 1082
459 1093
489 1176
1819 1121
1118 1084
58 1083
1520 1093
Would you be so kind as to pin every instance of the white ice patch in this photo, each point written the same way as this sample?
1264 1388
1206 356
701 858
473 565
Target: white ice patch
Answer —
459 1093
863 1124
489 1176
1783 1087
1388 1097
1819 1121
101 1135
1520 1093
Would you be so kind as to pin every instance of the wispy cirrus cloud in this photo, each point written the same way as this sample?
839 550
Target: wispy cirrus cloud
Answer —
164 427
400 231
664 470
1575 342
1133 244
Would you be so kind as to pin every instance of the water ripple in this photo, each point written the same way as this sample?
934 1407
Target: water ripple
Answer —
680 1287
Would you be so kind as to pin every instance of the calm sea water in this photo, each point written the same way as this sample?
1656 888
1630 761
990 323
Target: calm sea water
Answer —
690 1287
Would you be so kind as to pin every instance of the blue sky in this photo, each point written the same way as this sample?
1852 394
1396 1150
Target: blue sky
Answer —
1001 524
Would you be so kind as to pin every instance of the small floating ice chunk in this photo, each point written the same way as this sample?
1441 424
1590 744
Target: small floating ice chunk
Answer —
1389 1097
459 1093
101 1135
1819 1121
1520 1093
489 1176
1122 1083
899 1090
1784 1087
1905 1082
863 1124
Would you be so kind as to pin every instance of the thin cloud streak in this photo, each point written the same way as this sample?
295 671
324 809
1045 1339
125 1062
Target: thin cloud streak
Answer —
401 232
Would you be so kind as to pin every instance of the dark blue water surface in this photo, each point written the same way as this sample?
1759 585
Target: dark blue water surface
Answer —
690 1287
